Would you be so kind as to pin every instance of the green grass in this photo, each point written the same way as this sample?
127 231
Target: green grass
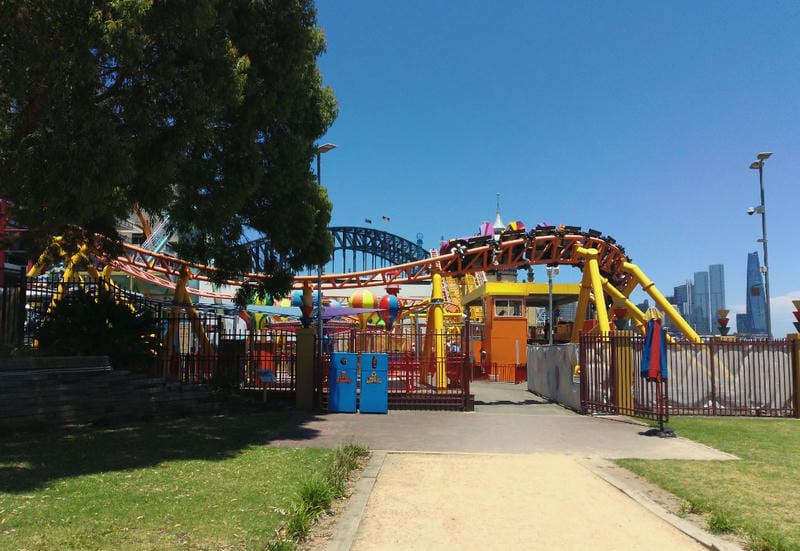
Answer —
316 494
757 497
202 483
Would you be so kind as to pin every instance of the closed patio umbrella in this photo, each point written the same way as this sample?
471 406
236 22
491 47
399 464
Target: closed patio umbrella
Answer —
654 365
654 355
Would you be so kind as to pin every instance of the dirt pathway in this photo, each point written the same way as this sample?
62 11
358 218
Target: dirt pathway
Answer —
508 502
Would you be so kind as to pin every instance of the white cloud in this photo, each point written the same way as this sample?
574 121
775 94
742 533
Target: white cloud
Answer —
782 314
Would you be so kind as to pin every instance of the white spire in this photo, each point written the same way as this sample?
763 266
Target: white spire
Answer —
498 222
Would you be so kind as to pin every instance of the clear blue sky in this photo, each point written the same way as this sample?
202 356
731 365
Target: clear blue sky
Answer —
639 119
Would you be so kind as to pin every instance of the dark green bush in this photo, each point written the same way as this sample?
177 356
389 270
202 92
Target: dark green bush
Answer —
95 324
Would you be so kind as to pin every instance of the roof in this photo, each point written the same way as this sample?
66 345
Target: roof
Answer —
535 294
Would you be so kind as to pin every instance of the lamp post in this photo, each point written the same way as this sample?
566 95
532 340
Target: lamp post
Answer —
551 271
762 210
324 148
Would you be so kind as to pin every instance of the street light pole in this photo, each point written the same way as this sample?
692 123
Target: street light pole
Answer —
551 271
324 148
759 165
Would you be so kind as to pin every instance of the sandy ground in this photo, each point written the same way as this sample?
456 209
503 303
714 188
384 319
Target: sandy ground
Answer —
518 473
508 502
504 502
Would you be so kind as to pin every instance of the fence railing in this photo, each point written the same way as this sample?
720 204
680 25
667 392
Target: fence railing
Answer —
717 377
12 309
237 357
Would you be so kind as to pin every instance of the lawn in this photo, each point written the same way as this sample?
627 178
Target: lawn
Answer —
757 496
201 483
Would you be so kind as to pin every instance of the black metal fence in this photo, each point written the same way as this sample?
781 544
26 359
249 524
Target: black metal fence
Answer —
716 377
12 310
209 348
217 350
43 294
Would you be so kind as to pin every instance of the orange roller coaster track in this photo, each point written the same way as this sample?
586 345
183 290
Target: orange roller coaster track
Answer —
610 272
553 249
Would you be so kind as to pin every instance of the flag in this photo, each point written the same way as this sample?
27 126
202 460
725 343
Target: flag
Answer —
386 218
367 220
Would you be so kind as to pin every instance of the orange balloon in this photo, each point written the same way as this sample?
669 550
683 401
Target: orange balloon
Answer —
362 299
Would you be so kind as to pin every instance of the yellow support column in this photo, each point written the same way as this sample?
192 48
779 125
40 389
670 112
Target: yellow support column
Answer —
583 307
622 360
54 248
182 297
439 344
597 287
650 288
637 316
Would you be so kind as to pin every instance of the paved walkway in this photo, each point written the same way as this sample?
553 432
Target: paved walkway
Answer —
515 474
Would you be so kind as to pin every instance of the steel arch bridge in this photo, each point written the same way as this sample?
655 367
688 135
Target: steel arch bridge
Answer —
355 249
363 245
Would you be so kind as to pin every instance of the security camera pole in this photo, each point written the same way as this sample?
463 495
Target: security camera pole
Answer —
762 210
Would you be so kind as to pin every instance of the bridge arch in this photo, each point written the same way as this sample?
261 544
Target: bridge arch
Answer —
355 249
363 245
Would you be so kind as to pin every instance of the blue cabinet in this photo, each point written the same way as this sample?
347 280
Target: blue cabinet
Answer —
374 383
342 381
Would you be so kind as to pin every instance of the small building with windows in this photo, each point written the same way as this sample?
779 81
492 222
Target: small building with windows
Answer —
509 318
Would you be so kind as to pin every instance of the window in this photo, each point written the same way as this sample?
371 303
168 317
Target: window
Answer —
508 308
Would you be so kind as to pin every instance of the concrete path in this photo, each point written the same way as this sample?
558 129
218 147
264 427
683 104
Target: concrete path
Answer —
517 473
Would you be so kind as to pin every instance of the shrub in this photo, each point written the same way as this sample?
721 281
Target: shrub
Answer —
87 324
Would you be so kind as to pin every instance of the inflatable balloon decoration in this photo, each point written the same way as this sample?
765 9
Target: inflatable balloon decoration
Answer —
389 309
362 299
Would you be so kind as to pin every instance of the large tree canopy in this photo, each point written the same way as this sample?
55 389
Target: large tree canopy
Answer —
205 110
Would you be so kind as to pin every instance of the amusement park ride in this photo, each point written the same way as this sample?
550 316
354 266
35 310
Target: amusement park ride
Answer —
608 278
608 275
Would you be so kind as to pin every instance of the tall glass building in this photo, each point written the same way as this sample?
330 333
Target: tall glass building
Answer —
701 315
716 288
681 299
756 303
682 296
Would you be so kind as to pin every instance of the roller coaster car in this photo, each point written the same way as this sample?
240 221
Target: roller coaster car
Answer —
514 230
458 246
569 230
479 241
543 230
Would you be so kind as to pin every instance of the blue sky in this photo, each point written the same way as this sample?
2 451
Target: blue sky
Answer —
639 119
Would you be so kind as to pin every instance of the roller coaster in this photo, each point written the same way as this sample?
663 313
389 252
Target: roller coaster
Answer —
608 275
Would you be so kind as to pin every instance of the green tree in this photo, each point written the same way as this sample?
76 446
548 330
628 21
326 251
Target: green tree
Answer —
87 323
205 110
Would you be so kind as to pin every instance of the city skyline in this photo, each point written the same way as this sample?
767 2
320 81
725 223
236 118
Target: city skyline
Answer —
700 298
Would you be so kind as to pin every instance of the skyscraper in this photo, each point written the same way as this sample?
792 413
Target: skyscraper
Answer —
700 317
743 324
716 287
681 299
756 304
